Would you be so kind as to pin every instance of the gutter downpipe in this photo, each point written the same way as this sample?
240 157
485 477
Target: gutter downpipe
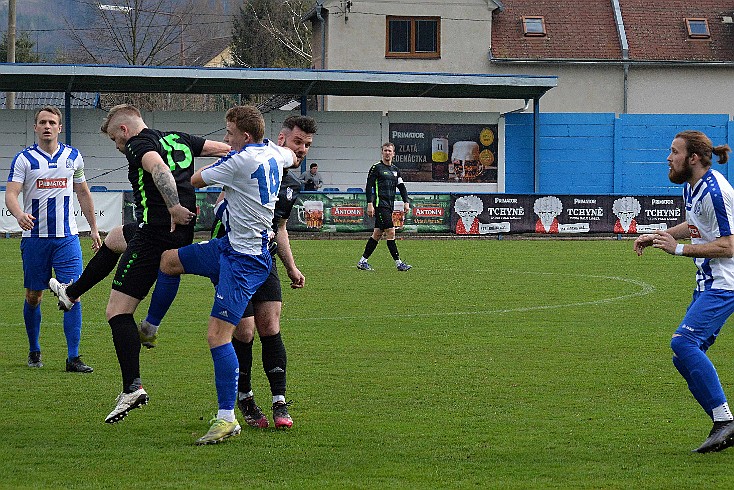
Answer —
536 145
619 21
319 6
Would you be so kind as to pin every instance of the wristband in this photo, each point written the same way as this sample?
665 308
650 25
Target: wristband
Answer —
679 249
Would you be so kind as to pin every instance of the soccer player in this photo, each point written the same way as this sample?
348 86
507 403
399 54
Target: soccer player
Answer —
382 180
251 177
264 310
160 168
47 173
709 202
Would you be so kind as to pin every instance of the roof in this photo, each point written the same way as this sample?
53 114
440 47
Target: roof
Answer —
35 100
34 77
573 30
655 31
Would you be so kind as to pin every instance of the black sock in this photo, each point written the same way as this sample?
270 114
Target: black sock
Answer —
127 346
370 247
274 362
393 248
98 267
244 357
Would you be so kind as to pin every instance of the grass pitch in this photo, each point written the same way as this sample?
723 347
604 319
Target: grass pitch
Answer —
491 364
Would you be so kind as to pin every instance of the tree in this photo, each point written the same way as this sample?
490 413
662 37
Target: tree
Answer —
270 34
24 49
135 32
149 33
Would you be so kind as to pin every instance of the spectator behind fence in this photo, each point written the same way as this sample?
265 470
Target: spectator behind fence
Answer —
311 178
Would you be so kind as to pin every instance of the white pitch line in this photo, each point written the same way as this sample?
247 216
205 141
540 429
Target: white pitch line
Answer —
645 289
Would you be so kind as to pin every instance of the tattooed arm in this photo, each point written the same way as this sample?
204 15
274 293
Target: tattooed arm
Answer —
166 184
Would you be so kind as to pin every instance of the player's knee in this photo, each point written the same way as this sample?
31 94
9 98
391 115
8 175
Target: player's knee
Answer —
268 329
115 240
33 298
170 263
681 345
245 331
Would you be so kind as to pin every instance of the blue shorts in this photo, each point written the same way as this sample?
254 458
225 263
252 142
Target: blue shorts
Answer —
705 316
40 255
202 259
240 275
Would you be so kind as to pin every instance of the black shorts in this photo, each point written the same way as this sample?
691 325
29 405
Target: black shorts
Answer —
137 270
270 290
383 218
129 230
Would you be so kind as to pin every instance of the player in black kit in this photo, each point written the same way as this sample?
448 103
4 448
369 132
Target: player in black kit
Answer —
160 168
382 180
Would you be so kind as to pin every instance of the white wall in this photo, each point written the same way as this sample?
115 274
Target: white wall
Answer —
345 146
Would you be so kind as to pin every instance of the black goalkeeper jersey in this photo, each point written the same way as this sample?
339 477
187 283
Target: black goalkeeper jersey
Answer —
178 151
382 180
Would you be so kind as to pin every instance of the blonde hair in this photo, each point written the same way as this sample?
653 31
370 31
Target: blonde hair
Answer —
127 111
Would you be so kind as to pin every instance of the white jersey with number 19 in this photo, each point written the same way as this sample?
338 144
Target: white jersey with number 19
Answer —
48 188
710 215
251 181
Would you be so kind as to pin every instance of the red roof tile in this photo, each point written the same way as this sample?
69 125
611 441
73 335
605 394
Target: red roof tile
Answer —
656 30
586 30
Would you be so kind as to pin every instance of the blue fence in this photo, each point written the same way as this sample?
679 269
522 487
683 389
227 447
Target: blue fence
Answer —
600 153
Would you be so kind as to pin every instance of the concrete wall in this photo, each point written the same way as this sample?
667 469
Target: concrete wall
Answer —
346 145
580 153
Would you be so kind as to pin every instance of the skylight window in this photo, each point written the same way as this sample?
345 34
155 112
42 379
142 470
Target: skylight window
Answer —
533 25
698 28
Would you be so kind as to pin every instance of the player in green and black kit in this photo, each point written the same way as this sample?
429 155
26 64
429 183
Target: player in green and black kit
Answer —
382 180
160 168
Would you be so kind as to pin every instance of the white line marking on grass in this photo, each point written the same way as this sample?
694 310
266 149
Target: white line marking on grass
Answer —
645 289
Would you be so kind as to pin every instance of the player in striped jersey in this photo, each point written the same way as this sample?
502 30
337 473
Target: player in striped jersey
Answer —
47 173
709 201
250 177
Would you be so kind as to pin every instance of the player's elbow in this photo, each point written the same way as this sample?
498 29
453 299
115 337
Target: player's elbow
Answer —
197 181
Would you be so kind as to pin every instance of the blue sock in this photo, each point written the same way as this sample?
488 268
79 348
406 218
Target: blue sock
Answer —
32 317
73 330
683 370
698 370
162 298
226 373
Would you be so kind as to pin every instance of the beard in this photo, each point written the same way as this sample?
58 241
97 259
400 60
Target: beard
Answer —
680 176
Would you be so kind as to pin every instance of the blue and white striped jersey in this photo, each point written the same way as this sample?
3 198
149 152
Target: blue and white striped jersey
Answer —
251 180
48 188
709 211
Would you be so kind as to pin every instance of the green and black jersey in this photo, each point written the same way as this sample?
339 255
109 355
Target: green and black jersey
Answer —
178 151
382 180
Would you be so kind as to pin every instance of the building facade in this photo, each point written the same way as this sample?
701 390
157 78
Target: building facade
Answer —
619 56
